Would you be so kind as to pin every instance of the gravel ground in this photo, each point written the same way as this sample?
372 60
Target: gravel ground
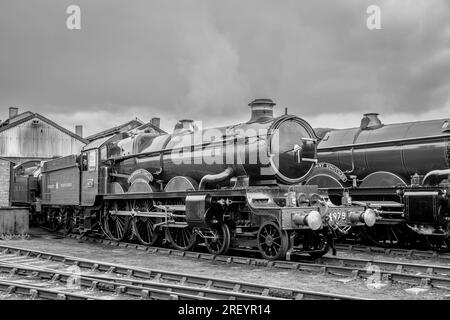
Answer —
41 240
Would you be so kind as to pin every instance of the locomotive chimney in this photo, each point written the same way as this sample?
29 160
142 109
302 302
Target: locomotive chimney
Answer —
79 130
262 109
370 121
156 122
13 111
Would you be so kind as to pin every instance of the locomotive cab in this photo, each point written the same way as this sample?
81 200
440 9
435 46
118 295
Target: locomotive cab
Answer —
89 176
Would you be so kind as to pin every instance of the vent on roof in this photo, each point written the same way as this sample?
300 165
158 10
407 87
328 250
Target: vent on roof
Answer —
13 111
156 122
79 130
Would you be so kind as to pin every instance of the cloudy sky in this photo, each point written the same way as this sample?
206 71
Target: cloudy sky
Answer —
207 59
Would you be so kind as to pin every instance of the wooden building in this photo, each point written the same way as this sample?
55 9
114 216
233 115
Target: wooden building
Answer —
30 135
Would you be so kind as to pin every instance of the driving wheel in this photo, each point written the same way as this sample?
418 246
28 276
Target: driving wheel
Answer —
144 227
182 238
116 226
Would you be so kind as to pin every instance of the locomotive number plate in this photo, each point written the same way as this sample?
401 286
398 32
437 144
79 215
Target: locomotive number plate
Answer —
338 216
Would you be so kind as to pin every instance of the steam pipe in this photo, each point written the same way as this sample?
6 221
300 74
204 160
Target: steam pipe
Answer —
355 137
369 121
214 178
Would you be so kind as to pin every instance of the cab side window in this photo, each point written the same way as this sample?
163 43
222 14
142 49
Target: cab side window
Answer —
84 161
92 160
103 154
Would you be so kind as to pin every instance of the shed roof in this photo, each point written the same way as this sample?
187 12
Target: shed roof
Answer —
97 143
132 123
26 116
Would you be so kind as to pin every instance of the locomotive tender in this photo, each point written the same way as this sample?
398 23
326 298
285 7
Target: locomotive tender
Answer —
234 186
401 169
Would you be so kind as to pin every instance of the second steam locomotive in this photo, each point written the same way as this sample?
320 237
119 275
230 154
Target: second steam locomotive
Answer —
400 170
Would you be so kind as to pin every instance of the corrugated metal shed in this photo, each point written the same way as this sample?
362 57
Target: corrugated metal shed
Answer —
32 136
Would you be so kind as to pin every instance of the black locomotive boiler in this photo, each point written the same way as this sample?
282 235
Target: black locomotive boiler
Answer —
234 186
401 169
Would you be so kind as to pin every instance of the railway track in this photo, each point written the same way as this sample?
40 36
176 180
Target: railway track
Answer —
412 273
34 291
400 272
113 287
140 282
408 253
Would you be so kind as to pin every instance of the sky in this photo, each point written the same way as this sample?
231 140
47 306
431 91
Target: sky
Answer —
207 59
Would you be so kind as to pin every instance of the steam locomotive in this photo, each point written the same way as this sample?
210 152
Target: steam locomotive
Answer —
234 186
400 170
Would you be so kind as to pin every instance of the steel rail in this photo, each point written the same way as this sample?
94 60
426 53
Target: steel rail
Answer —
410 253
36 292
138 289
406 267
237 287
363 269
145 289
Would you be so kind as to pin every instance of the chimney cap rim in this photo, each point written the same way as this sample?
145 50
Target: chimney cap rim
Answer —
262 101
371 114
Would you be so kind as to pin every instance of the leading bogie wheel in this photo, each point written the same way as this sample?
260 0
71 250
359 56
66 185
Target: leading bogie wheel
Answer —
273 243
116 226
385 236
220 242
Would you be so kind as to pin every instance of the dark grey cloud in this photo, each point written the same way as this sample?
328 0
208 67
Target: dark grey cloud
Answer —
207 59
